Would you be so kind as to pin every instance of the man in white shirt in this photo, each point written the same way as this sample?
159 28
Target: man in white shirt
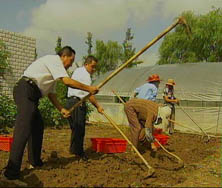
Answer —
78 116
39 80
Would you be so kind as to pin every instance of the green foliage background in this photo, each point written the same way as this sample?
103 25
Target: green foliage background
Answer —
8 113
7 106
4 55
111 54
205 44
51 116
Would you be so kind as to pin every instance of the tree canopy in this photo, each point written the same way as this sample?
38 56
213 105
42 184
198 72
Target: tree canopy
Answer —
111 54
205 44
58 45
128 50
4 54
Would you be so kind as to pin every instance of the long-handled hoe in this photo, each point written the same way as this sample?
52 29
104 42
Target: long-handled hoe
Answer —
180 20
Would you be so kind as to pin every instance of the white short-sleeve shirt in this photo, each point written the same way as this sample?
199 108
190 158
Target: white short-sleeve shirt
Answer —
81 75
45 71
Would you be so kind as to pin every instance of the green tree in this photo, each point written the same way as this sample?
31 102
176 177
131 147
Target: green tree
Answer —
89 42
4 55
7 113
7 106
205 44
36 55
111 54
128 50
58 45
51 116
108 54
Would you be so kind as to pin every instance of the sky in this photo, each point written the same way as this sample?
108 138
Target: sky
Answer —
45 20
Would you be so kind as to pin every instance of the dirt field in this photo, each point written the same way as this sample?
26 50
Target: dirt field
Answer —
202 163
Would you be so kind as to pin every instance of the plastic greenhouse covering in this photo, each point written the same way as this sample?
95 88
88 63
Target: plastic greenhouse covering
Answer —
198 86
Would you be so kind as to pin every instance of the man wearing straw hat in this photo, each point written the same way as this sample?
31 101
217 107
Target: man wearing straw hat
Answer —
170 100
142 114
148 90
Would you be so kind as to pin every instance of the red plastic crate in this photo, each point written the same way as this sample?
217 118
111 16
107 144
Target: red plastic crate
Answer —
109 145
5 143
162 138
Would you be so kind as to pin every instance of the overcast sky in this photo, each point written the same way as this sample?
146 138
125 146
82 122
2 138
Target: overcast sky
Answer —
45 20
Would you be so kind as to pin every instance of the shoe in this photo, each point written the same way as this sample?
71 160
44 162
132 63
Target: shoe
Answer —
10 175
71 152
83 157
12 180
14 183
39 164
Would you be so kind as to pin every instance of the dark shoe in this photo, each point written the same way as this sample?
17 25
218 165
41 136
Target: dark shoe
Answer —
39 164
71 152
10 174
82 157
153 153
11 177
15 182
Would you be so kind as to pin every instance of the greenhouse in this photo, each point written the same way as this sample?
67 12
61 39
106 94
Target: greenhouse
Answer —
198 86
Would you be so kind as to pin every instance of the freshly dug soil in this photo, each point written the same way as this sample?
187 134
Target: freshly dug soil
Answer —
202 164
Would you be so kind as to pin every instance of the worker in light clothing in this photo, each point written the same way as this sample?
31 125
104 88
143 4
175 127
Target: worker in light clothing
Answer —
78 116
38 80
170 100
148 90
142 114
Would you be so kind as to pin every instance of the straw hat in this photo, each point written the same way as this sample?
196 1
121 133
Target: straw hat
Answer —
170 82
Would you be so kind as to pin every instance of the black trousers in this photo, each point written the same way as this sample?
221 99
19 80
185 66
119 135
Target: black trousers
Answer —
28 127
77 123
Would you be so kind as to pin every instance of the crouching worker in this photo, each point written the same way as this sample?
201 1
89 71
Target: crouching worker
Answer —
149 112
